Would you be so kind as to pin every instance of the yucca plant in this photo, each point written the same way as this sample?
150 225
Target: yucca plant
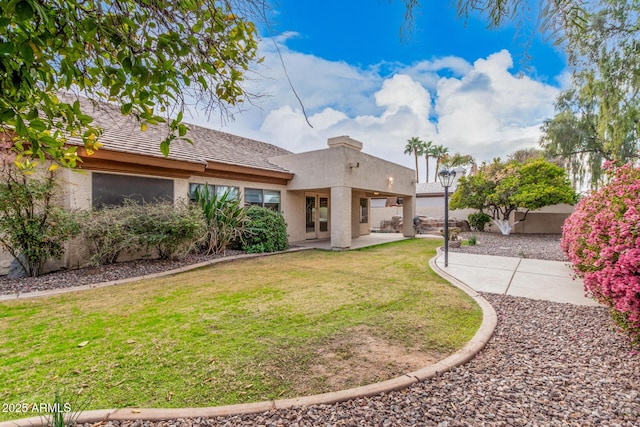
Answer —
225 217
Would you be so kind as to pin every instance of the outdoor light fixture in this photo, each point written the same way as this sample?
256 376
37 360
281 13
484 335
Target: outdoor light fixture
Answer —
446 179
390 180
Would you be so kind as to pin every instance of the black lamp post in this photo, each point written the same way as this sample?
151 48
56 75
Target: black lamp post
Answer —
446 179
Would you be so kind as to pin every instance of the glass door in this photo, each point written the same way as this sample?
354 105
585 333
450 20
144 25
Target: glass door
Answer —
310 216
317 217
323 217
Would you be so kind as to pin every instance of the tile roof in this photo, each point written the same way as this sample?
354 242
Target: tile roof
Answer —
123 134
434 188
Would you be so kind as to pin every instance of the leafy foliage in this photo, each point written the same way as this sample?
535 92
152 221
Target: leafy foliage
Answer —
133 228
267 231
441 153
148 57
602 241
107 232
600 112
456 159
414 146
502 188
479 220
554 17
32 228
225 218
166 229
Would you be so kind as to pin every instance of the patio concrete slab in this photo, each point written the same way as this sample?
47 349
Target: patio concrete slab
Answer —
356 243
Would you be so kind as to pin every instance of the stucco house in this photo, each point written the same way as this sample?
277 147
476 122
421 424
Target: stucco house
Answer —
322 194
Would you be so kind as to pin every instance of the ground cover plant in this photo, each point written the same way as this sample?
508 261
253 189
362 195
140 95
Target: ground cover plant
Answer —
266 328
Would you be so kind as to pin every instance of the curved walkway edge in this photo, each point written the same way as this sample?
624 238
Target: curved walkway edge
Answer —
462 356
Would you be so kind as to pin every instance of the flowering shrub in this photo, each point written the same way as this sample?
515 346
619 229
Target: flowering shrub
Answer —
602 241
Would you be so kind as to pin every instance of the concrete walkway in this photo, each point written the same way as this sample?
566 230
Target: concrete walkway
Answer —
521 277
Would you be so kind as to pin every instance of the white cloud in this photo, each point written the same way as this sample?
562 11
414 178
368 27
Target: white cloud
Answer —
490 112
480 109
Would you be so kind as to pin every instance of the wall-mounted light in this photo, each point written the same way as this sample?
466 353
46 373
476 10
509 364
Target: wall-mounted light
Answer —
354 165
390 180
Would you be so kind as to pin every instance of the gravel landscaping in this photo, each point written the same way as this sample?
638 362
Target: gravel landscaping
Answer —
536 246
547 364
103 273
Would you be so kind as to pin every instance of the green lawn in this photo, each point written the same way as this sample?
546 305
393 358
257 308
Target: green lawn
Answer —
235 332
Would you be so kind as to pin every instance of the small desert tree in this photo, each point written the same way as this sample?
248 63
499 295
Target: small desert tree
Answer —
32 228
503 188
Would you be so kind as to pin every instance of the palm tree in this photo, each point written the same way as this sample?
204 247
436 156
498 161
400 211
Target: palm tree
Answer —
426 151
440 152
456 160
414 145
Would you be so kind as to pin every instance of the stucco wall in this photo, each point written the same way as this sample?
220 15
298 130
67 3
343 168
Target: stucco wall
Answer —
294 215
75 194
546 220
549 219
342 166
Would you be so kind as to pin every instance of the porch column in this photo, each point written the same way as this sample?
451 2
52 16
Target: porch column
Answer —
408 212
340 218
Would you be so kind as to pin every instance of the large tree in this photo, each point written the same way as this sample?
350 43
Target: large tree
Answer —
600 112
501 188
150 57
427 151
440 152
414 146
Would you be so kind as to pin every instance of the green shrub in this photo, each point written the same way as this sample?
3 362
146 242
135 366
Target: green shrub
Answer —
160 227
108 233
167 229
473 240
225 219
267 231
32 228
479 220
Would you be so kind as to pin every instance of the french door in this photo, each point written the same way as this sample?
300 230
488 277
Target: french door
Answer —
317 216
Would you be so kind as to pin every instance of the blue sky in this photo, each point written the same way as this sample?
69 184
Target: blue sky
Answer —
367 32
453 82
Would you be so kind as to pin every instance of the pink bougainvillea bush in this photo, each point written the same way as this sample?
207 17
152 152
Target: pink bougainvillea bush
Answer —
602 241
